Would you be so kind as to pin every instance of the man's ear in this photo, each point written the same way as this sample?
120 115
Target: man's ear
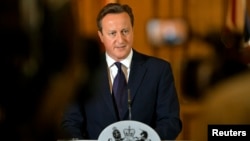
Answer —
100 35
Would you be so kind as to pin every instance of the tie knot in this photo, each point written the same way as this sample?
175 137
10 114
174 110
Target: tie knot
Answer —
118 65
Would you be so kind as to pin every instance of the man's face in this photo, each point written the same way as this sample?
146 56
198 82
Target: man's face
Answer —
117 35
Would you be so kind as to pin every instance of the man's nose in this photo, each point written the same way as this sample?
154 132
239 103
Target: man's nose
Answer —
120 37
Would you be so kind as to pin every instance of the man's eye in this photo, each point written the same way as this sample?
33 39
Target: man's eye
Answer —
125 32
112 33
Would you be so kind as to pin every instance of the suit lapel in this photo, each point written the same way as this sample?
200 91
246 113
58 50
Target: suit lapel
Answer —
136 76
105 89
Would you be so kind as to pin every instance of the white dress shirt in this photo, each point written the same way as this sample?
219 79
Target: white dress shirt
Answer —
113 69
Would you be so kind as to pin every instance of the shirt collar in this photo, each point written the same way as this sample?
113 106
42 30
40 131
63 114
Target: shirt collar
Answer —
126 62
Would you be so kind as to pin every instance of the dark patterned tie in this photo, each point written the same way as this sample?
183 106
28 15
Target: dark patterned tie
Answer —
120 90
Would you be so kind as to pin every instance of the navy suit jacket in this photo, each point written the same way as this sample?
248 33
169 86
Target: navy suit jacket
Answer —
154 101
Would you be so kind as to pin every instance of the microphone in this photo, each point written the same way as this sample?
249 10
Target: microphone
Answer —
129 105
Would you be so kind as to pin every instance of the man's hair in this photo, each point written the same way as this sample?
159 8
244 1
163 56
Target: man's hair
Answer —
114 8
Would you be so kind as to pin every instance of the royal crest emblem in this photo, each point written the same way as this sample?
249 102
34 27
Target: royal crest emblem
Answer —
128 131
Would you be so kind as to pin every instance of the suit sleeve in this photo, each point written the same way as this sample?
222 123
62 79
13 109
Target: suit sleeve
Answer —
168 123
72 122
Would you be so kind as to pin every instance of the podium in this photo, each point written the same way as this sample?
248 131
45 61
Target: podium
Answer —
126 130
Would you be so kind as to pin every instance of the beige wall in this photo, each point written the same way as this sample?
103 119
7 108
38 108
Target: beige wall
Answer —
201 15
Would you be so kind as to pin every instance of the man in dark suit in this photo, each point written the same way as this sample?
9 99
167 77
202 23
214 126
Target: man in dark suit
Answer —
149 80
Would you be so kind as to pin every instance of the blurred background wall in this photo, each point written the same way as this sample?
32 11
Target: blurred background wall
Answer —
199 38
